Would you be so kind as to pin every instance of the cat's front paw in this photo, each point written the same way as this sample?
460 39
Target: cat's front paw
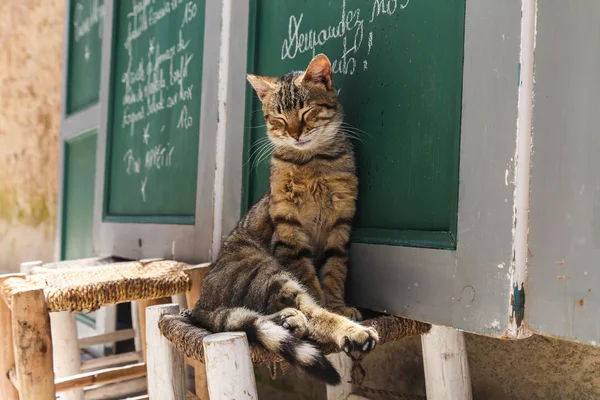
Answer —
359 339
348 312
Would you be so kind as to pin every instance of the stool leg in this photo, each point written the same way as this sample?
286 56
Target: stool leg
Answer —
343 364
196 275
166 377
67 361
135 322
7 355
32 343
142 304
446 366
229 369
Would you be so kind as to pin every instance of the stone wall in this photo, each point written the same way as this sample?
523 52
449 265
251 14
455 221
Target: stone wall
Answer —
31 48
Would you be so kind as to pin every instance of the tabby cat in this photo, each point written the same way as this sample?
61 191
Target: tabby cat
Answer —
280 274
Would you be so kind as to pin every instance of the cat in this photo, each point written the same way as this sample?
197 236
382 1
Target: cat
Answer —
280 274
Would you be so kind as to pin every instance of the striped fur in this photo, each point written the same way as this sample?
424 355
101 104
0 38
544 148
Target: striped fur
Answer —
280 274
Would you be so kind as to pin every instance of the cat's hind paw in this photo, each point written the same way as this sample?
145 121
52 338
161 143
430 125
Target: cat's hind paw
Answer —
293 320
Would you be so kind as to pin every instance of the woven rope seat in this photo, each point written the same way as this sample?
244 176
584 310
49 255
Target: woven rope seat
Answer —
188 338
78 287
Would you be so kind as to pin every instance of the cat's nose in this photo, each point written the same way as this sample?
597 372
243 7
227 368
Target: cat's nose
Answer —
295 134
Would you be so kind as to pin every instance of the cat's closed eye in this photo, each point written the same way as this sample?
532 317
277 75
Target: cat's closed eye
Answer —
310 114
277 123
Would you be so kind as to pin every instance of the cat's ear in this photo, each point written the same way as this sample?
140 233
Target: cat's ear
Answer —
263 85
319 71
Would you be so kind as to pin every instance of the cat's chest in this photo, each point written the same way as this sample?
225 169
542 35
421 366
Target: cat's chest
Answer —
307 195
316 201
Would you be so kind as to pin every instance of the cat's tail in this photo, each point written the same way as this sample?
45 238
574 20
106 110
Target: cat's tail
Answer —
263 332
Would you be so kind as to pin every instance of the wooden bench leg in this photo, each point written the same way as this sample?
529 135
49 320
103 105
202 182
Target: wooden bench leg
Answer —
32 345
229 369
343 364
165 366
67 361
446 366
7 355
142 304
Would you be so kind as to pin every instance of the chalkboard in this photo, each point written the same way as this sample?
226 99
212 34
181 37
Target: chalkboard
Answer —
153 129
85 53
398 69
78 196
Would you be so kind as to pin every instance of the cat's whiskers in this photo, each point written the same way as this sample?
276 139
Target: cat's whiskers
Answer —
257 146
257 153
347 126
260 141
266 155
265 152
351 134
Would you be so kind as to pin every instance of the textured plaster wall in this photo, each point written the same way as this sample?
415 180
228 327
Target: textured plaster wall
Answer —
30 81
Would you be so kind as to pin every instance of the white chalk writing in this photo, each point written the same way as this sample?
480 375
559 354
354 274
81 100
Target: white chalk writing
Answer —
348 32
86 20
88 17
155 81
159 156
144 182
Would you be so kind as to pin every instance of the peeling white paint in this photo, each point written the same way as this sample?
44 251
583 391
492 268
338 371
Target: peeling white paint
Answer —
501 265
593 343
495 324
522 163
506 172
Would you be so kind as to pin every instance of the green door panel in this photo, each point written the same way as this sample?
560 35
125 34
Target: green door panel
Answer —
398 68
78 196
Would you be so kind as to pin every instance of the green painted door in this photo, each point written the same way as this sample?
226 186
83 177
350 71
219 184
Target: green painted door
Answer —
78 196
398 68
